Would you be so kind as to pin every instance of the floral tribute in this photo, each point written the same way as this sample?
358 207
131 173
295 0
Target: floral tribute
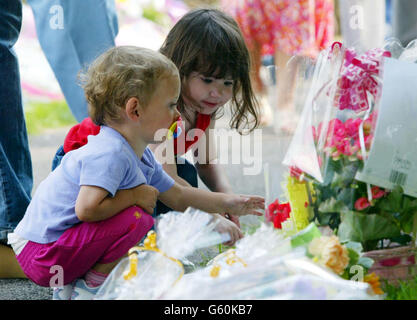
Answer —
328 252
355 211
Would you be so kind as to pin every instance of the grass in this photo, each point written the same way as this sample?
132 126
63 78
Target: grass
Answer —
46 115
406 290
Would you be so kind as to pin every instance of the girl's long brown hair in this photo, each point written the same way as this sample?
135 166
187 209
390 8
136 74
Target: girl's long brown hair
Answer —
210 42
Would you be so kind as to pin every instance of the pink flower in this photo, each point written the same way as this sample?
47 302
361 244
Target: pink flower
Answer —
333 141
377 193
362 203
337 128
352 127
344 147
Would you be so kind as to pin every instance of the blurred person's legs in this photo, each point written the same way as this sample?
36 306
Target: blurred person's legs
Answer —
404 20
286 117
15 163
301 30
72 33
259 87
250 17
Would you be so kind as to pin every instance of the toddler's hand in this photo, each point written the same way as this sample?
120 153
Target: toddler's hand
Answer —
240 205
226 226
146 197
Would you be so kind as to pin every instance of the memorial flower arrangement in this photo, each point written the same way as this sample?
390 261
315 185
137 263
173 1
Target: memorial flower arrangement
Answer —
344 259
342 133
345 204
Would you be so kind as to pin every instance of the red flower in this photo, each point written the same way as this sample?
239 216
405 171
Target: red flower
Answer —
278 213
295 172
362 203
377 193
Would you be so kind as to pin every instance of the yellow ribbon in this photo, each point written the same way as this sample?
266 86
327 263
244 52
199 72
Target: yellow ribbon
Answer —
231 258
148 245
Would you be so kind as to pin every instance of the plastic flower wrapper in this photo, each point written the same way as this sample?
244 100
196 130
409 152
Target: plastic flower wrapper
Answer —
302 152
267 265
334 140
291 276
311 287
155 267
260 246
230 278
255 249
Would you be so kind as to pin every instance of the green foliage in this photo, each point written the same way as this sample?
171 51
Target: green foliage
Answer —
356 226
355 251
392 216
406 290
40 116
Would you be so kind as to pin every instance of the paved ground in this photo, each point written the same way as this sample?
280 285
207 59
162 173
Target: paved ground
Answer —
272 150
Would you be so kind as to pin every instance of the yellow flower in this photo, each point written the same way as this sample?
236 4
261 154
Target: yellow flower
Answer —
330 253
373 280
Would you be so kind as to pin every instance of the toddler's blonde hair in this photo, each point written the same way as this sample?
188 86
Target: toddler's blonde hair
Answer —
122 73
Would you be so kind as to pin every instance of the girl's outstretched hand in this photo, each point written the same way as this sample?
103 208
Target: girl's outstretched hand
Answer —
241 205
226 226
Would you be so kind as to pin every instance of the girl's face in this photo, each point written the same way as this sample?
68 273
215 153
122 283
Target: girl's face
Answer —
206 94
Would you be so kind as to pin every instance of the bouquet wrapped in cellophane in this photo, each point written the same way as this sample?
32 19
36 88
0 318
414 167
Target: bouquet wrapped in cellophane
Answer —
264 265
270 265
353 152
155 267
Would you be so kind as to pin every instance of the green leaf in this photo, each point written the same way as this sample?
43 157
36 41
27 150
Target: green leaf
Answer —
331 205
353 256
357 246
394 199
356 226
348 174
347 196
366 262
332 168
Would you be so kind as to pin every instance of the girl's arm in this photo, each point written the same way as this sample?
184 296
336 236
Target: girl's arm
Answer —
180 198
94 204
